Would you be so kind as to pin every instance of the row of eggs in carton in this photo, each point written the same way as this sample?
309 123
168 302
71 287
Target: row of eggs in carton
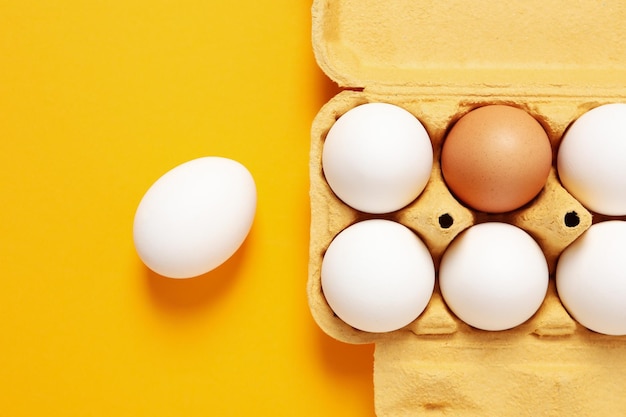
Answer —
377 275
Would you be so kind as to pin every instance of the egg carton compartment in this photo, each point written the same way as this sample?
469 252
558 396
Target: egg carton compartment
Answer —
437 364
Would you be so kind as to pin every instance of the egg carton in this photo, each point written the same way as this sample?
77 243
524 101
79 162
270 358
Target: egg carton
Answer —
437 365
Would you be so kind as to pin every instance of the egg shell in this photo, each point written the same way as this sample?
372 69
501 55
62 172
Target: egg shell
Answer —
496 158
493 276
195 217
591 280
377 158
377 275
591 159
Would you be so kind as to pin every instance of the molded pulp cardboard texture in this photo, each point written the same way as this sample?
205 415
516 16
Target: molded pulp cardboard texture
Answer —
554 60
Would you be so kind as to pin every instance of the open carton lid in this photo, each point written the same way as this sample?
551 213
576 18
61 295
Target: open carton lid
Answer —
552 47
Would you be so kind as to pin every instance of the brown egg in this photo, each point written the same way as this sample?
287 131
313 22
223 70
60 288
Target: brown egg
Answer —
496 158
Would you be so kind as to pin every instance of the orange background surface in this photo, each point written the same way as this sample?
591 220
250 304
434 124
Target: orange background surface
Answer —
97 100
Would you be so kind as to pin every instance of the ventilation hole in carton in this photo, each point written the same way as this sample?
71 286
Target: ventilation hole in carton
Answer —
446 221
571 219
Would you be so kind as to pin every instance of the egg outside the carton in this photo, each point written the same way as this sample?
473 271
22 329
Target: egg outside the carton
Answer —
496 158
195 217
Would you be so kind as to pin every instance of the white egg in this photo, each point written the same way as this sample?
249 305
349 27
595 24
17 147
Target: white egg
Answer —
377 158
591 278
591 159
377 275
494 276
195 217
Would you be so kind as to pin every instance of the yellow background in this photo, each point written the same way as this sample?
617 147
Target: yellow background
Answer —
97 100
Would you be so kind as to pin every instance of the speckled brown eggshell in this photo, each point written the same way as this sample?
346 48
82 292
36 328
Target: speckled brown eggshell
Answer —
496 158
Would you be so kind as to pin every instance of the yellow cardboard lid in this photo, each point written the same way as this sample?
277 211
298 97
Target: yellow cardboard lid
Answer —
562 47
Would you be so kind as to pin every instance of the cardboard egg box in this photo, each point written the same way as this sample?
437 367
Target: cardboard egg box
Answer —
440 60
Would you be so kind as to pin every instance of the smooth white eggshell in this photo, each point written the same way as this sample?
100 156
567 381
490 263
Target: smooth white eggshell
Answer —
591 278
377 158
195 217
377 275
591 159
493 276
